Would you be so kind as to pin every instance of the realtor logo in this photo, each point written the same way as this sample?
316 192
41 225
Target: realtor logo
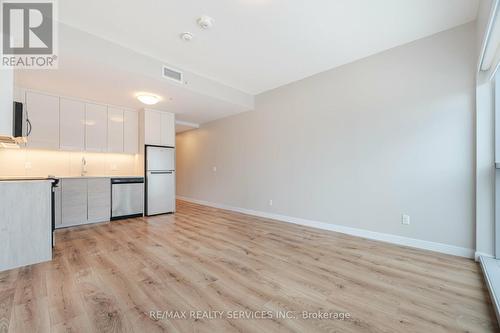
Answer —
28 34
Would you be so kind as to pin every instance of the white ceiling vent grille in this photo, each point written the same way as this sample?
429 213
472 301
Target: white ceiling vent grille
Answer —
172 74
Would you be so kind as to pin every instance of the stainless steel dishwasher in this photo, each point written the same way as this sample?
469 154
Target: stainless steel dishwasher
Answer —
127 197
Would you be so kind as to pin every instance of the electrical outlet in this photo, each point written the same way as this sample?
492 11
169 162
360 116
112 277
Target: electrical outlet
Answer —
214 169
271 202
27 165
405 219
114 167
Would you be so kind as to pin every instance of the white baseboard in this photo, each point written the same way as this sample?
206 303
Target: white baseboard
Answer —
482 254
399 240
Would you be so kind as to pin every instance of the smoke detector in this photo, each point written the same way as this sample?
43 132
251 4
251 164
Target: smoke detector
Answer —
186 36
205 22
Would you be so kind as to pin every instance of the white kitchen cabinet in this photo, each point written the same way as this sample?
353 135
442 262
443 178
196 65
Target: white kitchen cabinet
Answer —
72 124
43 113
60 123
152 127
115 130
130 132
159 128
167 129
98 200
73 202
82 201
25 226
96 124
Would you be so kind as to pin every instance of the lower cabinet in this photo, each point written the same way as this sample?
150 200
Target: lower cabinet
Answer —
73 202
84 200
98 200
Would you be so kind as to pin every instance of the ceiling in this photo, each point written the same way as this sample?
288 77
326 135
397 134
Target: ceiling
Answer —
257 45
97 70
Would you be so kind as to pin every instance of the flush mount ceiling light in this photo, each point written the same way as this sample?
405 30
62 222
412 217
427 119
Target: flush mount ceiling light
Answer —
148 99
205 22
186 36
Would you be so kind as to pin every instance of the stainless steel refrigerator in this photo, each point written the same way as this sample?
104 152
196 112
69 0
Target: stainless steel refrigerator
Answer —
160 180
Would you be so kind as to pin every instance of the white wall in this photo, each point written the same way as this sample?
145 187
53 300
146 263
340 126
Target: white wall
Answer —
355 146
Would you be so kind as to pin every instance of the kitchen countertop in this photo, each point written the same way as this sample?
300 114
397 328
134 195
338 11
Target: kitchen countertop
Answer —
31 178
25 178
101 176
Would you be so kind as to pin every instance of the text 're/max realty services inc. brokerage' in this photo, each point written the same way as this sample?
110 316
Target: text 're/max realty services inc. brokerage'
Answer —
251 315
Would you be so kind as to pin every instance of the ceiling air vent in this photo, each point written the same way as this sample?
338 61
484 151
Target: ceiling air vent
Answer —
172 74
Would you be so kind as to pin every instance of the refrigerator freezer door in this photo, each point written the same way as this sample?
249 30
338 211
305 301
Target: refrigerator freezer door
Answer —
160 159
161 192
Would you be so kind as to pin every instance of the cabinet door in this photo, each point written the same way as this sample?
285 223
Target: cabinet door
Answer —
167 129
73 202
96 120
72 125
99 199
130 132
115 130
152 127
43 113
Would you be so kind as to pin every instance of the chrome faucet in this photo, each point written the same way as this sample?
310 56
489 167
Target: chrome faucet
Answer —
84 166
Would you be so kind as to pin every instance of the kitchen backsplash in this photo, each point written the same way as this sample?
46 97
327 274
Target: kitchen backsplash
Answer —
32 162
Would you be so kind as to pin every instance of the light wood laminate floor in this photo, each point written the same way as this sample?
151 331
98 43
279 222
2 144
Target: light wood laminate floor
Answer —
109 277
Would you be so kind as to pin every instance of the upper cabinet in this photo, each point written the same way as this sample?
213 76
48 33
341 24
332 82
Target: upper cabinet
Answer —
43 114
123 131
130 132
167 129
96 124
61 123
115 130
152 127
72 124
159 128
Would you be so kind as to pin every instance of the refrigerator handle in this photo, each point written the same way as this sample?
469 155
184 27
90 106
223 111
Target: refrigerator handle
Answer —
159 172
